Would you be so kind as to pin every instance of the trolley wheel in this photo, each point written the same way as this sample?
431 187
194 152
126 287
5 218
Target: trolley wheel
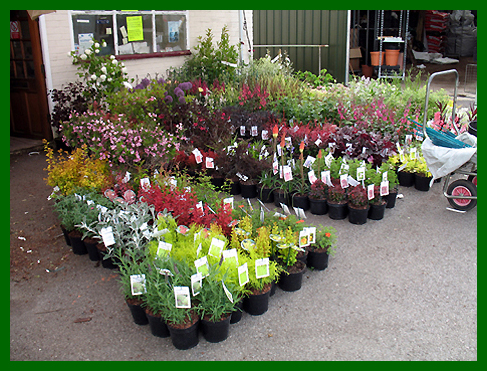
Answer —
473 179
462 187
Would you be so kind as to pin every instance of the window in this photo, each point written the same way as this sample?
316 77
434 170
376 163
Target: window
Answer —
142 33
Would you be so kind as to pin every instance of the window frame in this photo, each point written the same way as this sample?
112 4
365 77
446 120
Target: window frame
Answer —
152 13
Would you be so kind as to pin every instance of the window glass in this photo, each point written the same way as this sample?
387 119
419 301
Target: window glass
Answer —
170 33
134 33
88 26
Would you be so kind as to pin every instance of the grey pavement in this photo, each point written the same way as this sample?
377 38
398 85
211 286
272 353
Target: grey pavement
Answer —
402 288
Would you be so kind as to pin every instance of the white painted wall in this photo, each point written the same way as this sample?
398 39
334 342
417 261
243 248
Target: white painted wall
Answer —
58 37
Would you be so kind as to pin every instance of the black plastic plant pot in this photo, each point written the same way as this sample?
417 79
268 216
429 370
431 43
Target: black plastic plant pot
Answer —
215 332
265 195
77 243
257 304
90 246
273 288
301 201
280 197
422 183
337 211
376 212
317 260
248 190
217 182
357 216
318 207
184 338
66 236
391 199
292 281
405 178
235 188
138 314
106 262
157 325
237 314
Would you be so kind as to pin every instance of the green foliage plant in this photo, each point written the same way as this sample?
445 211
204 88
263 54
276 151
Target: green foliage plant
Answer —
326 239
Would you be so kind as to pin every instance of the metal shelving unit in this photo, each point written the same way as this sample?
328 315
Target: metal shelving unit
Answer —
400 37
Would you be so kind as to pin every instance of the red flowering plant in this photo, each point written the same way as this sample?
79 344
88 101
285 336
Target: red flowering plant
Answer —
337 194
357 197
253 99
319 190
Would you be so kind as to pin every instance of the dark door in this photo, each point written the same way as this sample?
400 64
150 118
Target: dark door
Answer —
28 96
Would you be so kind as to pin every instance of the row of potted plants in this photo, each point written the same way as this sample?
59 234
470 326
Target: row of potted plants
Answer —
187 258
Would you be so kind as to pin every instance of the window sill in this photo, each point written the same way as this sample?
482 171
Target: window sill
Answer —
153 55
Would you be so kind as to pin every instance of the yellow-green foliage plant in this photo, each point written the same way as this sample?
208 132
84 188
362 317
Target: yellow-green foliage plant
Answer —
76 170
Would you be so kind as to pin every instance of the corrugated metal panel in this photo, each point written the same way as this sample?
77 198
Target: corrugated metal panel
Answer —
305 27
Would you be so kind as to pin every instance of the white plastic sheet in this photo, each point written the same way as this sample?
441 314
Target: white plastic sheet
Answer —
442 161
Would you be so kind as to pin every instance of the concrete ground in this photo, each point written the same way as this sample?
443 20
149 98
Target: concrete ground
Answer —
402 288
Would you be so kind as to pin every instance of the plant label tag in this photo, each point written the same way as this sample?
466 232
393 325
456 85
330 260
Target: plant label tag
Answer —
288 141
312 235
279 150
265 134
230 254
196 283
262 268
412 154
198 250
296 211
182 297
126 178
243 274
398 146
201 265
370 191
301 213
344 168
137 284
402 166
197 156
228 293
262 215
242 130
384 188
328 159
344 181
107 236
228 203
309 161
384 176
163 248
326 177
288 174
364 149
361 173
199 206
275 166
352 182
145 183
318 142
408 139
253 131
216 247
303 238
209 163
312 177
285 208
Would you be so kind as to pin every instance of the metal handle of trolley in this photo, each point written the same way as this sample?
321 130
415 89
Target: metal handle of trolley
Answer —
453 112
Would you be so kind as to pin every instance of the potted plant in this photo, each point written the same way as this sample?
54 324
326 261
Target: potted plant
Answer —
377 204
249 167
317 198
324 246
300 188
422 175
388 167
337 201
292 275
267 183
358 205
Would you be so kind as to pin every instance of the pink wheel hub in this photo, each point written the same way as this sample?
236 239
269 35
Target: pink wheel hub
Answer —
461 191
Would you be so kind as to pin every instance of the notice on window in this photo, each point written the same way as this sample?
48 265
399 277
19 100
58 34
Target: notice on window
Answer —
173 28
135 30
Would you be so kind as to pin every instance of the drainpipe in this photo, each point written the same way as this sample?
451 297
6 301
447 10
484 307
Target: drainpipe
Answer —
347 61
47 65
241 35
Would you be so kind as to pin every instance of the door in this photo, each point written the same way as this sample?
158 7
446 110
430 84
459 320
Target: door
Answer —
28 97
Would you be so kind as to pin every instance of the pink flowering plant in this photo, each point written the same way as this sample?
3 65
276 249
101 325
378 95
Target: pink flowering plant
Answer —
253 100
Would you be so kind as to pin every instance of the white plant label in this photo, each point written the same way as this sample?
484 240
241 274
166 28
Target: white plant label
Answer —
265 134
304 238
253 131
137 284
344 168
326 178
216 247
228 293
312 177
288 141
352 182
107 236
262 268
412 154
344 180
198 250
242 130
145 183
361 173
182 297
384 176
230 254
288 174
384 188
198 156
370 191
408 139
163 248
285 208
318 142
209 164
275 166
200 207
196 283
228 203
309 161
126 178
301 213
311 235
201 265
243 274
328 159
